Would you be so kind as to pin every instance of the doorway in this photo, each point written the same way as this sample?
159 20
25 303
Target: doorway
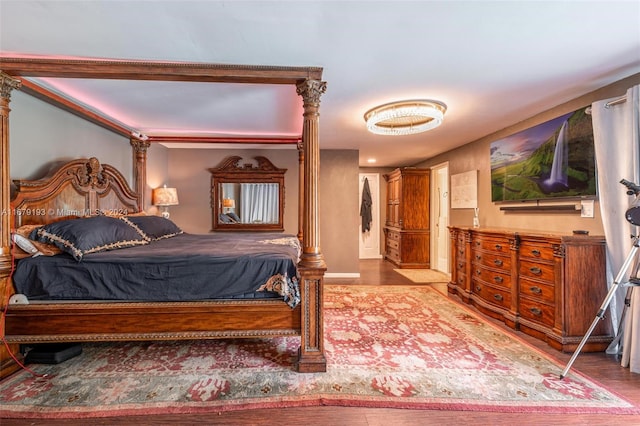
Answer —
440 217
370 240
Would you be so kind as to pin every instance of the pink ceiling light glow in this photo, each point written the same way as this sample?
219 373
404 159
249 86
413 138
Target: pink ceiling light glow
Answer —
113 113
73 94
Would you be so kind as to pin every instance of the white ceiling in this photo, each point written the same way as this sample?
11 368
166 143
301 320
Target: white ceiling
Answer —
494 63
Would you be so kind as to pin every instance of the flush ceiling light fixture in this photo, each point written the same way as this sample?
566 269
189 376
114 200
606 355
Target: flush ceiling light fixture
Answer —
405 117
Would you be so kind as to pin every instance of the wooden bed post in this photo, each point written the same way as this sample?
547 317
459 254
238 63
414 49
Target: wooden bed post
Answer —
140 169
311 357
7 84
300 146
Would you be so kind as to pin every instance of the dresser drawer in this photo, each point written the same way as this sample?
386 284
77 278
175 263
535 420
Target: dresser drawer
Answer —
393 244
537 291
496 296
536 251
460 265
393 235
535 311
492 260
502 279
393 255
540 271
495 245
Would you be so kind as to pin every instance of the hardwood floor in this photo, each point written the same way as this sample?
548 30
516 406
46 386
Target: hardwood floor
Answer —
601 367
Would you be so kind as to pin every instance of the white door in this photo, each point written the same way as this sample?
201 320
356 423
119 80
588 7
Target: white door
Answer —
370 240
440 217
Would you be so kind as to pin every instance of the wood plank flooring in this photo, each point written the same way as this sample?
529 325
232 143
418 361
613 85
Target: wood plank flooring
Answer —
601 367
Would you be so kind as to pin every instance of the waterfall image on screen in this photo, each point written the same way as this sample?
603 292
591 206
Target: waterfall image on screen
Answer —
560 163
554 159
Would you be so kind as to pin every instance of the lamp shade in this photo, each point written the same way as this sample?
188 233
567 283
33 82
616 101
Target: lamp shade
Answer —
228 203
165 197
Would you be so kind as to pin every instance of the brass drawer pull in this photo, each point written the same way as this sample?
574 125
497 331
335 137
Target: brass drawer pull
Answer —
498 279
535 252
461 251
498 247
535 270
536 311
536 290
478 257
478 288
478 272
497 262
498 297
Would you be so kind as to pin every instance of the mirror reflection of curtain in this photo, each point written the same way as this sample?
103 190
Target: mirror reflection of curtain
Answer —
259 202
616 131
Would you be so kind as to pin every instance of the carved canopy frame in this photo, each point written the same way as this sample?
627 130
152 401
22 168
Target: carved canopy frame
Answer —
309 86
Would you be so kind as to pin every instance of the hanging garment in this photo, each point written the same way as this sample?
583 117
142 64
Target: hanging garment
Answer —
365 207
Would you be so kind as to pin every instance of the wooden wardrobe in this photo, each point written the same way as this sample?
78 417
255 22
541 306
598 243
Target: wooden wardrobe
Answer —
407 225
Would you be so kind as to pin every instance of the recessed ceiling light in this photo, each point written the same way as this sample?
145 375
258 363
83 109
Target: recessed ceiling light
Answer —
371 160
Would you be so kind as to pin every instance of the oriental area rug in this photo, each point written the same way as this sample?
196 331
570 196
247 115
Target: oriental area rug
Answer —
424 275
394 346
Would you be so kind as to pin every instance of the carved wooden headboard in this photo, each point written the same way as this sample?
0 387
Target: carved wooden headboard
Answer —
79 188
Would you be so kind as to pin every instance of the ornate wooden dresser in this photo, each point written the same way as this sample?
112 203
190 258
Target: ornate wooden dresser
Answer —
549 286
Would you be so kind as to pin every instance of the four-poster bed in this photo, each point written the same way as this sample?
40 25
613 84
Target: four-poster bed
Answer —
74 186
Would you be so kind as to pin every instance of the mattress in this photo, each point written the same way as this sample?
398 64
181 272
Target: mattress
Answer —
187 267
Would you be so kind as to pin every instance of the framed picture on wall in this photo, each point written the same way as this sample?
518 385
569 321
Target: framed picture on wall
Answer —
464 190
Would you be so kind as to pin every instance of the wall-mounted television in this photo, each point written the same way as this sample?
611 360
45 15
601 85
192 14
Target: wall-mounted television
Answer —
553 160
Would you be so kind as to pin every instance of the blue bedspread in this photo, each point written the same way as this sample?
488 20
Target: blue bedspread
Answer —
186 267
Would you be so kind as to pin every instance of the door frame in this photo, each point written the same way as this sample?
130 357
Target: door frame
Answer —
376 229
440 247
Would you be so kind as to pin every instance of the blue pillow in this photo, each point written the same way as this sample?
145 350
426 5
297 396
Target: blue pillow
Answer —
82 236
234 216
152 228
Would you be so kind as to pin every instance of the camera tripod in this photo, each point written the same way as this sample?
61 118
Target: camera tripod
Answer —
633 216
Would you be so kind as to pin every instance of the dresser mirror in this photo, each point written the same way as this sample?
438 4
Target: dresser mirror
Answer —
247 196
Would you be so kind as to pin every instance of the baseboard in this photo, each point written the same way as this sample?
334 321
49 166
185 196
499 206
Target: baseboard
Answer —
342 275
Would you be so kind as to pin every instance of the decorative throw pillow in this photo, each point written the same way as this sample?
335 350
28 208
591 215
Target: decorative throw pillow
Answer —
153 228
234 216
83 236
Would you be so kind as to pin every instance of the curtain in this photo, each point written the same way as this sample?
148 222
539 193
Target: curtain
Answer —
617 140
259 202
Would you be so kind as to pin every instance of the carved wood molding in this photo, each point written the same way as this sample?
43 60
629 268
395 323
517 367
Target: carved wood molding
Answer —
117 337
156 70
7 85
232 164
89 175
100 186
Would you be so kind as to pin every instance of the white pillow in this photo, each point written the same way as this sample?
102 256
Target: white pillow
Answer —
26 245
